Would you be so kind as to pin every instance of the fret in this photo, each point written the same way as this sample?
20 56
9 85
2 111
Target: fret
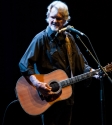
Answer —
77 78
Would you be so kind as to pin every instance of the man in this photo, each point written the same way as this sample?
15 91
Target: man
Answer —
48 52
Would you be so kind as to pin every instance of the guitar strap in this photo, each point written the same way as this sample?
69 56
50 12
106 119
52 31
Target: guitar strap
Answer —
69 52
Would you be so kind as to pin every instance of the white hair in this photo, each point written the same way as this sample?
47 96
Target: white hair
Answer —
62 7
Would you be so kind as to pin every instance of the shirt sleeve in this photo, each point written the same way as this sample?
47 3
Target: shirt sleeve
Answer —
26 64
87 68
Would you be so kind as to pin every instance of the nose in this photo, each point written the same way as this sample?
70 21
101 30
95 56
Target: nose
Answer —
54 20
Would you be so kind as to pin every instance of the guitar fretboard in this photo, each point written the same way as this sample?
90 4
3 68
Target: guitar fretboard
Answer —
78 78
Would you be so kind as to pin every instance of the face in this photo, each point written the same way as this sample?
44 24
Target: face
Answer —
55 20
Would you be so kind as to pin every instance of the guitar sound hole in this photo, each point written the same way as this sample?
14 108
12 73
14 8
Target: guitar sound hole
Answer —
55 86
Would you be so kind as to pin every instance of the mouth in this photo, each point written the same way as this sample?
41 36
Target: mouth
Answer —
54 25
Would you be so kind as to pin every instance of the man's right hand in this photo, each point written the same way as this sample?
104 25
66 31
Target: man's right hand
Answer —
42 87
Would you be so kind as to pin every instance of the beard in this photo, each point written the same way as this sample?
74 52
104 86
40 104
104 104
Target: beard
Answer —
54 28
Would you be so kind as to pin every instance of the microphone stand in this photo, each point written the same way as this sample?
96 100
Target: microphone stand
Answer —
101 78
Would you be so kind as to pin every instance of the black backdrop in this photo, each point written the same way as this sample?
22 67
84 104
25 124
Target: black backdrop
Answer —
21 20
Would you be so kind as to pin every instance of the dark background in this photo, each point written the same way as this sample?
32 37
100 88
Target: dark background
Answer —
21 20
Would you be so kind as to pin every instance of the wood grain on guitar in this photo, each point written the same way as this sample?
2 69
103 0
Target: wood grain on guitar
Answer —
32 102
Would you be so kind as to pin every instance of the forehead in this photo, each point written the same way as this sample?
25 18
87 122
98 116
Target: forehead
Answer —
55 12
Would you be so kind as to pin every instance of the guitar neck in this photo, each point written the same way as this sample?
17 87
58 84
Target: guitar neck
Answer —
78 78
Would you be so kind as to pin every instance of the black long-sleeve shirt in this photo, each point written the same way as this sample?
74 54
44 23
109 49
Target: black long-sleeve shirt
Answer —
44 55
48 56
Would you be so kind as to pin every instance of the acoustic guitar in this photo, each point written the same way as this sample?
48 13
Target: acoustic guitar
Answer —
34 103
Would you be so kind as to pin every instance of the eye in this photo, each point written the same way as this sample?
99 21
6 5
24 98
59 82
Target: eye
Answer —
52 17
57 18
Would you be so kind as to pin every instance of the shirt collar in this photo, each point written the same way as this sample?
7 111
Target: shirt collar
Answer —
51 34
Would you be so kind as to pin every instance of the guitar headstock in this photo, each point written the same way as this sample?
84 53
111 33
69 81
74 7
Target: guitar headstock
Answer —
108 68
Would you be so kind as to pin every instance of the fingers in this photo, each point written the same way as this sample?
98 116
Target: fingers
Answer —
48 87
45 89
96 76
45 92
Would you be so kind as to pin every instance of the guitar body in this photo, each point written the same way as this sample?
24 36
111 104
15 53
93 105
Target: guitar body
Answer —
30 99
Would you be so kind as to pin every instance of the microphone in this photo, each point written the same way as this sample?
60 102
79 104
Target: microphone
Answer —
71 28
65 28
